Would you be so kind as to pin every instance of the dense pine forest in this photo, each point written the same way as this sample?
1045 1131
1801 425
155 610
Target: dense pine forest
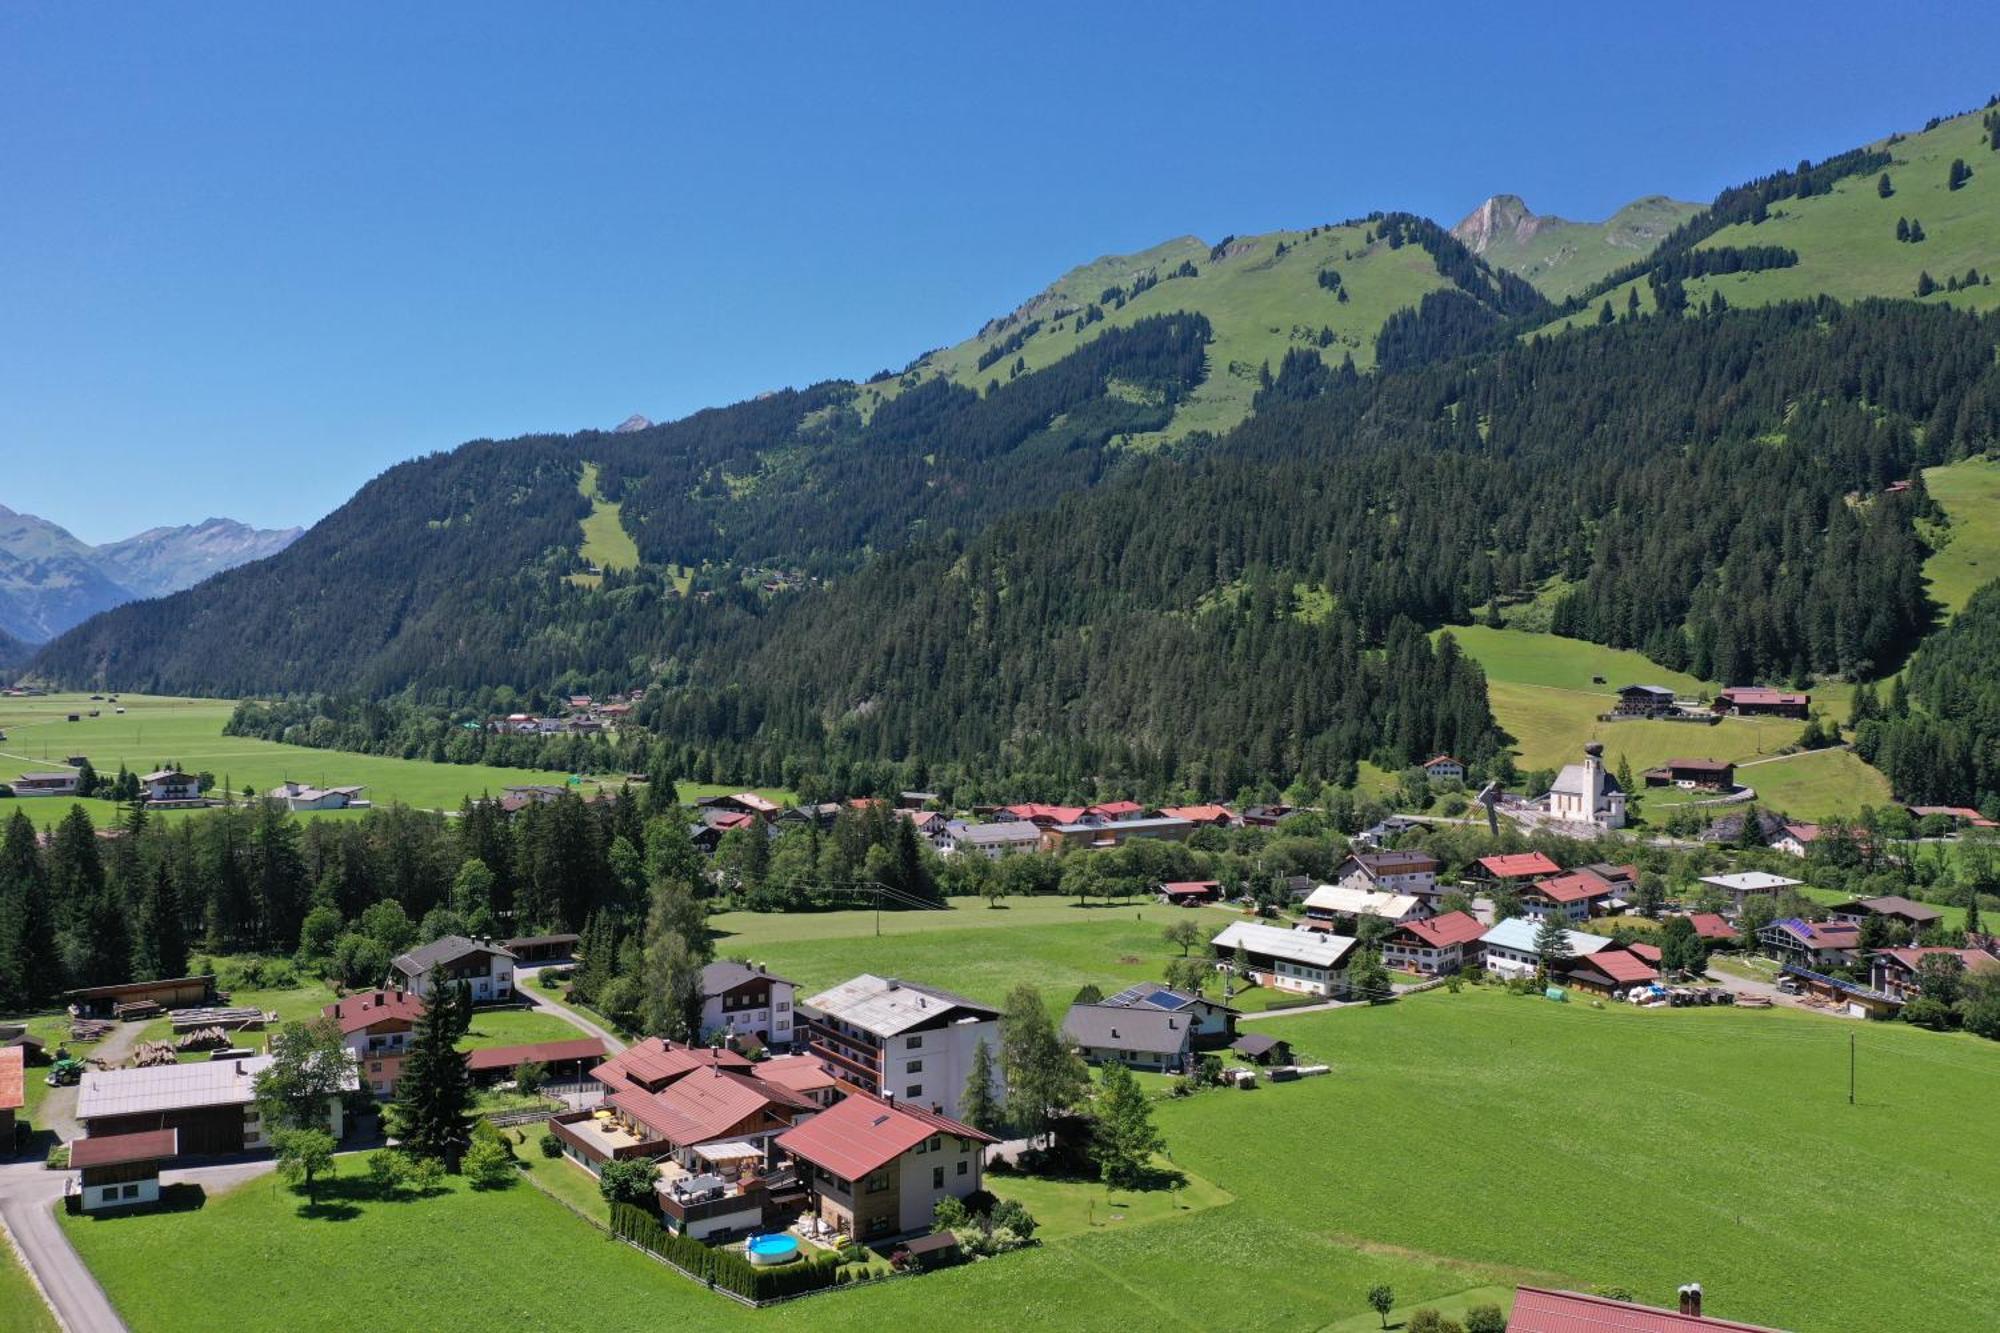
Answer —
1938 738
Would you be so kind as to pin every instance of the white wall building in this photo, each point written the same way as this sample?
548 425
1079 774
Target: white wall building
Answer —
1587 793
900 1039
744 1000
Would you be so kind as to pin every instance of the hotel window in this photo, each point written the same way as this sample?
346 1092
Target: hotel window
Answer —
961 1166
912 1043
914 1067
914 1091
937 1177
878 1182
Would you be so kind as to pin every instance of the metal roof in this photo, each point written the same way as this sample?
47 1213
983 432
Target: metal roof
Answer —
121 1149
1127 1028
1518 933
1751 881
111 1092
887 1006
1362 902
1294 946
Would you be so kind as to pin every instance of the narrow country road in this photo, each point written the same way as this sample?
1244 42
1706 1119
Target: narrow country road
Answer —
29 1197
536 996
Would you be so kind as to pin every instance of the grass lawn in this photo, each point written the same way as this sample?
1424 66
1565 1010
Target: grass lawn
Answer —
158 729
1817 784
606 544
21 1307
1968 553
516 1027
1063 1208
297 1004
1051 941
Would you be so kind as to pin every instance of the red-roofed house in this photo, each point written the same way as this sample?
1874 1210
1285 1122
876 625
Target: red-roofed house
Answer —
1517 866
1609 971
563 1061
1649 952
122 1170
1711 927
1115 810
663 1099
1191 892
1443 768
876 1169
1576 896
377 1026
1747 701
1796 839
1215 816
1963 816
1045 816
1816 945
1894 972
1432 946
1537 1310
742 802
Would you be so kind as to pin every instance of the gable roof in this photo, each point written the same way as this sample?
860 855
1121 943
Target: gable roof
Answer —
801 1073
1294 946
1199 814
544 1052
1390 863
1519 865
1578 886
1711 926
358 1013
1913 958
1152 995
1012 830
112 1092
1757 694
1893 905
1537 1310
1820 934
150 1145
1113 809
726 975
443 952
707 1106
1191 888
1518 934
1036 811
1442 932
1622 967
1127 1027
655 1061
1752 881
862 1134
1344 901
887 1006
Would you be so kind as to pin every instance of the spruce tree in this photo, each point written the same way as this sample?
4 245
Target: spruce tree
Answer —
1123 1138
1882 186
1552 947
434 1091
979 1106
30 971
159 945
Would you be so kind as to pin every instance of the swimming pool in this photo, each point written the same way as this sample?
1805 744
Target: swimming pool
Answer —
777 1248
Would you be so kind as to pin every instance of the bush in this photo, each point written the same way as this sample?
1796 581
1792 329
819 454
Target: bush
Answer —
488 1165
1013 1216
1928 1013
628 1182
723 1268
388 1170
427 1174
1485 1319
58 1158
551 1145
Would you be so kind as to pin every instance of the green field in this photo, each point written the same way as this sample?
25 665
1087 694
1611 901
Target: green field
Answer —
606 544
21 1307
1968 554
1260 305
1447 1154
157 729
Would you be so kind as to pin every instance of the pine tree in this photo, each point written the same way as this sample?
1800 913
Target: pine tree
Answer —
1972 915
677 946
1960 174
1883 188
980 1104
1552 946
433 1108
30 971
159 945
1123 1138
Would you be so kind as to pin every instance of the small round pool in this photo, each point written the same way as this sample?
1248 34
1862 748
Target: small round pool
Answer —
777 1248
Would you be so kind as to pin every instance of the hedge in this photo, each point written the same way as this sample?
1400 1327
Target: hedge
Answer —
723 1268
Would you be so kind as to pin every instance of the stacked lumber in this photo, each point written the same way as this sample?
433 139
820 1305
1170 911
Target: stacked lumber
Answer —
89 1029
237 1020
152 1053
136 1011
203 1039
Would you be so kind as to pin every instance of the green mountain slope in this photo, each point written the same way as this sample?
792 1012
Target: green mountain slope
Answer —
1845 236
1262 294
1562 257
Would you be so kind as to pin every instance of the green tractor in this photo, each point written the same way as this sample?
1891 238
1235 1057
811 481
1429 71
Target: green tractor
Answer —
66 1071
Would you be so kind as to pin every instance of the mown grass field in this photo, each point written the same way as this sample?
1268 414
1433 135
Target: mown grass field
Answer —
21 1307
606 544
1447 1155
157 729
1968 554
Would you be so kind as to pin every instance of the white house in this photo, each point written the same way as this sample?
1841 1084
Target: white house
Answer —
1444 768
301 796
901 1039
744 1000
1409 872
1434 945
60 783
485 968
1744 885
992 841
1510 946
1587 793
169 786
1293 960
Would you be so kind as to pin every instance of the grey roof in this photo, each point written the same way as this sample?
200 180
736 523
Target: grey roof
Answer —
442 952
1127 825
117 1092
887 1006
1256 1043
1118 1028
728 975
1016 830
1152 995
1656 690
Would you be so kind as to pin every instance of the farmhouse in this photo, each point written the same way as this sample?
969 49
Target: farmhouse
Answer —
1516 867
376 1025
1894 972
167 993
875 1168
303 796
1189 892
1410 872
1045 816
121 1170
1744 885
1961 816
1693 774
1712 928
46 784
994 841
1097 835
1293 960
1214 1024
883 1036
744 1000
1537 1310
1643 701
1142 1037
1337 902
743 803
1587 793
1914 917
1433 946
1811 944
1796 839
484 968
1444 768
1509 948
212 1103
1576 896
1611 971
170 786
1213 816
1745 701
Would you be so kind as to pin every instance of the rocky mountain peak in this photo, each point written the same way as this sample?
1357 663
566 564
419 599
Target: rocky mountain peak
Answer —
635 422
1502 217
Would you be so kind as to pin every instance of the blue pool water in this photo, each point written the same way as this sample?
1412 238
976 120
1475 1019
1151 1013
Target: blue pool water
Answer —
774 1247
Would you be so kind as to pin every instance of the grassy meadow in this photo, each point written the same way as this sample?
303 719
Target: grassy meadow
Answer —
1445 1155
21 1306
606 544
158 729
1968 549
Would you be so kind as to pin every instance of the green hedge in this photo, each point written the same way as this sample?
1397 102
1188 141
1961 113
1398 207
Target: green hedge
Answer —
723 1268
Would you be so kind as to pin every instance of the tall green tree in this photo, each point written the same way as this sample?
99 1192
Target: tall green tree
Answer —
30 970
433 1110
1123 1137
159 937
310 1067
677 947
980 1105
1044 1076
1552 946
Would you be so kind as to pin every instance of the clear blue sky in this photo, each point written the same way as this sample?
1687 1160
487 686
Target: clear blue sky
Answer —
252 255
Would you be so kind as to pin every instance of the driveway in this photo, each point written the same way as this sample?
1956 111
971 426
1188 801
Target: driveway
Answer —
524 986
29 1197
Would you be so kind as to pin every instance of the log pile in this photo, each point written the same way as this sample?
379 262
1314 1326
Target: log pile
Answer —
135 1011
153 1053
204 1039
235 1020
89 1029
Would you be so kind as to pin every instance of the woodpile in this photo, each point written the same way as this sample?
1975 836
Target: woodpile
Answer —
136 1011
236 1020
204 1039
154 1053
89 1029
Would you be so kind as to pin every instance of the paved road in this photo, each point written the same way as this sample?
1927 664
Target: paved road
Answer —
29 1196
523 986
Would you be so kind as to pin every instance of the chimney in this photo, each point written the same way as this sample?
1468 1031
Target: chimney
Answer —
888 1096
1691 1300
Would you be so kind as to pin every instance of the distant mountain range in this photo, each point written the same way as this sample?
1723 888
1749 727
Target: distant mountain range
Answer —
1562 257
50 580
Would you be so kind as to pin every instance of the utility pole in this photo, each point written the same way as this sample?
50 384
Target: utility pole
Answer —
1850 1069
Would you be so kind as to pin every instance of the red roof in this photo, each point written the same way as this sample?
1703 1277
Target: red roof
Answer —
545 1052
1578 886
1913 958
708 1106
1441 759
1192 888
1622 967
800 1073
1650 952
1738 694
1540 1311
863 1134
1519 865
1114 809
755 802
733 819
118 1149
1442 932
1712 927
359 1013
1037 813
1964 812
13 1077
654 1063
1200 814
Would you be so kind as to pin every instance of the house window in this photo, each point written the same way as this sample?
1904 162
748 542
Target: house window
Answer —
878 1182
914 1091
937 1177
784 1006
914 1067
131 1191
961 1166
936 1142
912 1043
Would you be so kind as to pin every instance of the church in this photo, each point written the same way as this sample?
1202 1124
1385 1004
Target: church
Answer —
1587 793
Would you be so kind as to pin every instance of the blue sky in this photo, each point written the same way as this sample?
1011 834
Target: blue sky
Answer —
251 256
